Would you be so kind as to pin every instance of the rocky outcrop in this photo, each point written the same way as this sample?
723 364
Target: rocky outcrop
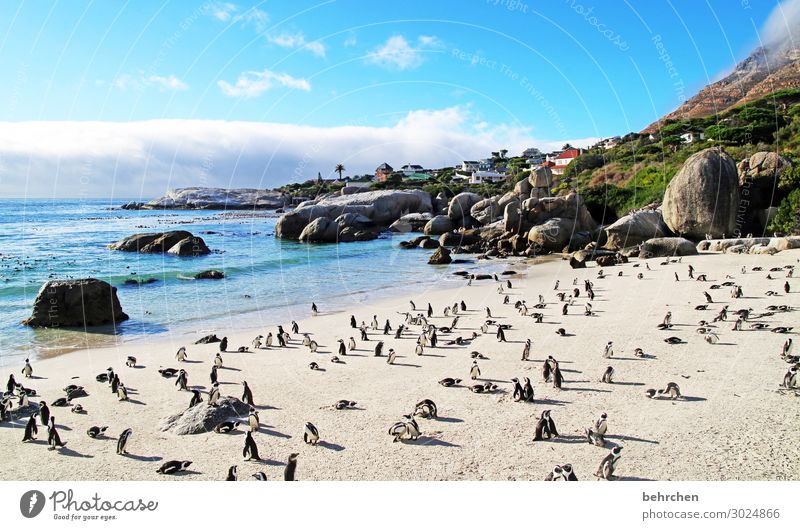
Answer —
486 211
413 222
440 257
536 211
703 197
178 242
210 275
75 303
661 247
460 238
320 230
552 235
635 228
381 207
219 199
439 225
202 418
746 243
541 177
460 209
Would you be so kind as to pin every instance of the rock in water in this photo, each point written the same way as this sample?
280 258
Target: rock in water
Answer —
76 303
703 197
440 257
190 247
439 225
210 275
179 242
202 418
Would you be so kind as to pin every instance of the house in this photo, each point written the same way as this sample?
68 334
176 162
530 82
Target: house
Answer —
410 169
470 166
490 177
561 161
691 137
609 143
485 164
383 171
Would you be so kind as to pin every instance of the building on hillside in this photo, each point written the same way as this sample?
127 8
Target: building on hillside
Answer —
691 137
487 177
416 177
609 143
561 161
383 171
469 166
410 169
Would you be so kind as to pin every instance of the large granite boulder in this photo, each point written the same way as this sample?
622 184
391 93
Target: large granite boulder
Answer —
160 242
512 219
486 211
635 228
461 238
320 230
541 177
722 245
202 418
523 188
219 199
661 247
440 257
190 247
382 207
75 303
413 222
439 225
536 211
703 197
552 235
460 208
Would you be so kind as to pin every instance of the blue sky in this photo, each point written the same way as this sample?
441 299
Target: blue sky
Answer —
503 70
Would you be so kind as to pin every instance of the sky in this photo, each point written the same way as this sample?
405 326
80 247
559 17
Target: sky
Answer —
113 98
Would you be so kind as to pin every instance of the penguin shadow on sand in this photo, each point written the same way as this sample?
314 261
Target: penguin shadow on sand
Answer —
625 383
551 402
409 365
192 361
330 445
625 438
583 389
431 441
66 451
269 430
446 419
142 458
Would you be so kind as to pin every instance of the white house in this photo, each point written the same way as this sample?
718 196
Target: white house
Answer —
691 137
480 177
410 169
561 162
470 166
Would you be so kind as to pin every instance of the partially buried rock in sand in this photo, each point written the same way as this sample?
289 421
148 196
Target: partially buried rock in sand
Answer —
203 417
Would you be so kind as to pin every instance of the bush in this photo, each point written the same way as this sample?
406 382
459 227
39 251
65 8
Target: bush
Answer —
787 220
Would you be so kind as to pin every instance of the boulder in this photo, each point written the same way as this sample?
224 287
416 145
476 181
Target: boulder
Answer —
190 247
202 418
606 261
218 199
575 263
208 339
703 197
486 211
635 228
660 247
352 233
512 218
440 257
578 241
523 188
552 235
785 243
758 177
320 230
151 243
762 249
460 238
537 211
210 275
75 303
722 245
428 243
354 220
460 208
439 225
541 177
413 222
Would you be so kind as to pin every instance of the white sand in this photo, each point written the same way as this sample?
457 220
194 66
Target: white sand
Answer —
735 424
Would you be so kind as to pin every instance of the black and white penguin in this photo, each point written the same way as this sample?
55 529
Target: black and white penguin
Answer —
253 420
608 351
596 435
547 368
545 427
213 395
166 373
250 451
226 426
291 467
314 310
430 311
607 376
392 356
398 430
475 371
527 391
44 413
673 340
449 381
412 427
196 398
342 347
247 395
501 336
53 439
233 474
223 344
173 466
130 362
61 402
295 327
672 390
122 392
353 323
95 431
11 385
182 380
526 351
568 473
558 379
213 377
609 464
180 356
555 474
260 476
218 361
122 441
343 404
426 409
313 366
517 389
30 429
27 370
310 434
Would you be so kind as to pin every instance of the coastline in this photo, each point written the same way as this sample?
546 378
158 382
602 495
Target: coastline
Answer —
731 406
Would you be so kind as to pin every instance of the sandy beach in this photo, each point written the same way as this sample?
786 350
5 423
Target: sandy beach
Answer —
732 424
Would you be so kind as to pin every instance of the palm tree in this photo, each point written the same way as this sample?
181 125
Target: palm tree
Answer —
339 169
503 153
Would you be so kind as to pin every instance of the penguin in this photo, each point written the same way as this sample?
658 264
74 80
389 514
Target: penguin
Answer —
53 439
30 429
565 309
607 375
233 474
392 356
312 346
196 398
351 345
247 395
253 419
449 381
250 451
223 344
526 351
268 340
608 352
353 323
379 349
95 431
122 392
122 441
342 348
413 305
545 427
130 362
213 395
181 381
562 332
475 371
257 342
430 311
310 434
555 474
412 428
181 355
218 361
27 370
226 426
568 473
77 409
213 375
61 402
313 366
166 373
344 404
672 390
291 467
673 340
173 466
786 287
295 327
23 400
398 430
547 368
11 385
596 435
419 350
314 310
260 476
501 336
426 409
336 360
517 389
527 391
609 464
558 379
44 413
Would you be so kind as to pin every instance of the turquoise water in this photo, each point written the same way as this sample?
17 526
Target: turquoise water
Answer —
268 280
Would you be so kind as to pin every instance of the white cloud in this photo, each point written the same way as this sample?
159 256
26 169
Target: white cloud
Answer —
230 12
350 41
297 40
222 11
397 54
143 81
253 84
146 158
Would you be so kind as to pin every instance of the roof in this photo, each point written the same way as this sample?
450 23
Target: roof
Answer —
569 153
547 164
384 167
417 176
411 166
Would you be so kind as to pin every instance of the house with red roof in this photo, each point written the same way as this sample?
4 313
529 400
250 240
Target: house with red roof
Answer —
561 161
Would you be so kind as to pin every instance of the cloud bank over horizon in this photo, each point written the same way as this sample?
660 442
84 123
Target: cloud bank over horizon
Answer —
144 159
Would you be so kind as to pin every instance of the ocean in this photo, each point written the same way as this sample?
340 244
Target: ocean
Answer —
268 280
